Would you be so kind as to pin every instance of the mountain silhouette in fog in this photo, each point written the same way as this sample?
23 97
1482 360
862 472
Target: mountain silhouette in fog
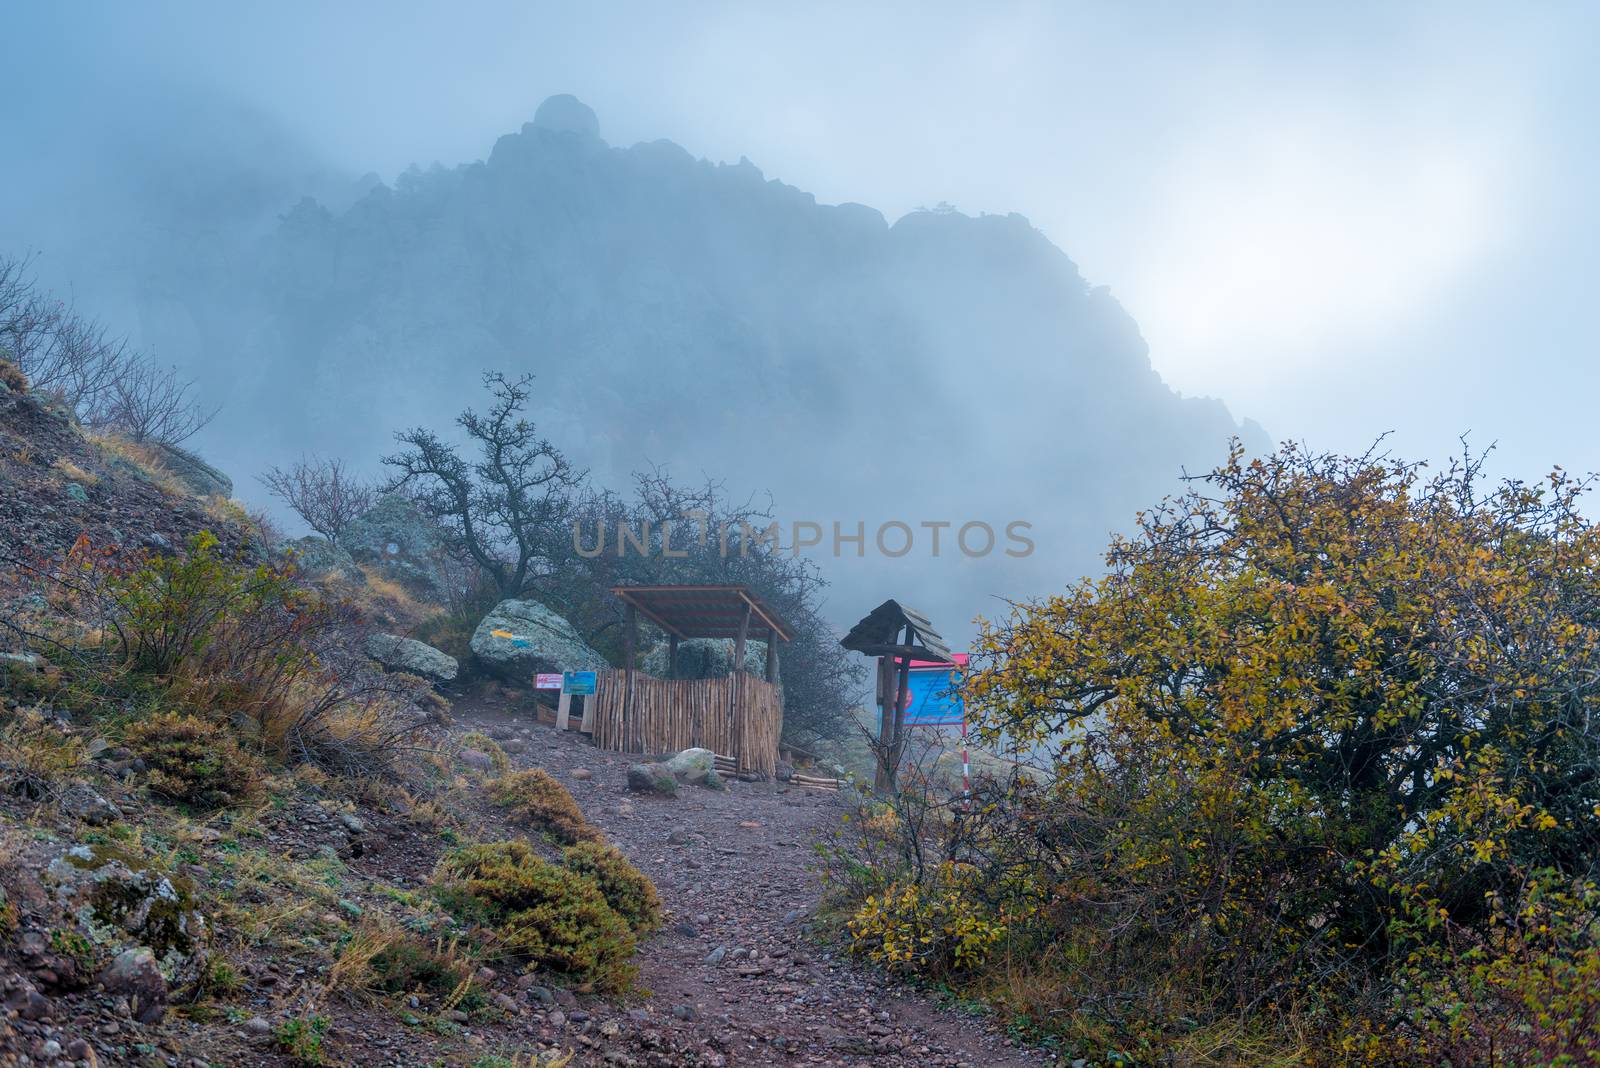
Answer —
695 315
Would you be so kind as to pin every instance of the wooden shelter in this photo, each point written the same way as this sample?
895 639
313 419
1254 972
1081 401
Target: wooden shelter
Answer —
897 635
740 716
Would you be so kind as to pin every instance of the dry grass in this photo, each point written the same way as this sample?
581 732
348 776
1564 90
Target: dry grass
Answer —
71 471
387 602
12 378
37 759
144 457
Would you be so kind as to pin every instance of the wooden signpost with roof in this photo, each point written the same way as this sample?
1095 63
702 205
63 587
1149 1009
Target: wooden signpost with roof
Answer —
897 635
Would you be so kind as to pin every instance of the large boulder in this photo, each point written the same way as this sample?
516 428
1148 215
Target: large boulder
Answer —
542 641
193 473
705 658
120 901
408 654
317 557
692 765
652 779
404 544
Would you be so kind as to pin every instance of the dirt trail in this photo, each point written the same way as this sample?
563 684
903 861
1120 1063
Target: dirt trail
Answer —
733 977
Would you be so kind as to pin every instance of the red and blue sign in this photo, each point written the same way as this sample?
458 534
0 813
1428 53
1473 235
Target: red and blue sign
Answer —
933 693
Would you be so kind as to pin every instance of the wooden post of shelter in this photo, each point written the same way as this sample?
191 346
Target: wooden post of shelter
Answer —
630 639
896 635
738 664
672 655
882 781
772 656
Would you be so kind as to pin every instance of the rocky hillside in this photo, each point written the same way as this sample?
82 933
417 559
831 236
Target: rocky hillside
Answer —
678 312
228 837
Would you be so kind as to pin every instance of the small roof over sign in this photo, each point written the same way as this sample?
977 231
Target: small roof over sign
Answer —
705 611
878 634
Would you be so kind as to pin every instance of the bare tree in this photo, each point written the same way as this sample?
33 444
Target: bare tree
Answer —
109 384
151 403
509 511
322 492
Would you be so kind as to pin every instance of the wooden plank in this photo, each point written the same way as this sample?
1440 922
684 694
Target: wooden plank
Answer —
563 707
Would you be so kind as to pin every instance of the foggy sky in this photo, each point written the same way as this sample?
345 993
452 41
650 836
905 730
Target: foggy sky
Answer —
1339 220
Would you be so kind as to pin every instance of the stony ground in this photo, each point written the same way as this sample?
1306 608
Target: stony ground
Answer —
736 977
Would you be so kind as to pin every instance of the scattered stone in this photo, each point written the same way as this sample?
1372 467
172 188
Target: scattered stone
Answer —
582 774
652 779
257 1026
81 802
135 976
692 765
476 759
408 654
716 955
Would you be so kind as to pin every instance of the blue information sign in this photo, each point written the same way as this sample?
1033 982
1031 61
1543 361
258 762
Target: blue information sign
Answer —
578 683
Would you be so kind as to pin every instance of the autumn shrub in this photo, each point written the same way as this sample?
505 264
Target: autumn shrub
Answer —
933 927
37 758
193 761
248 639
1303 754
11 377
628 891
537 911
535 798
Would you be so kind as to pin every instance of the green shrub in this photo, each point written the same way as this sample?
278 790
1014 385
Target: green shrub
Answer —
301 1039
485 744
628 891
535 798
546 914
193 761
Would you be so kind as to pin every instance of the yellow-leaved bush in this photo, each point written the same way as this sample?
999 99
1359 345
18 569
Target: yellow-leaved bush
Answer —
1300 767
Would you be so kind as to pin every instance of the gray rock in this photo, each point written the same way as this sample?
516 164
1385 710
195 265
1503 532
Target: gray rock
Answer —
193 473
81 802
25 660
258 1026
404 544
692 766
135 976
76 491
116 899
408 654
544 642
652 779
716 955
476 759
320 558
